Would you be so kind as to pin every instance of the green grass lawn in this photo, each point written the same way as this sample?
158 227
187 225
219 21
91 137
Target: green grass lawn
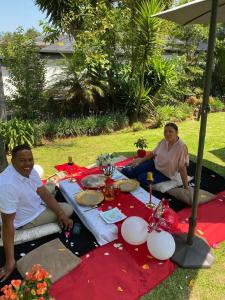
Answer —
205 284
84 150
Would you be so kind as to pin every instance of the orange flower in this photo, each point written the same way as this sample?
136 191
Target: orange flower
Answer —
16 283
8 292
13 297
45 273
41 298
41 291
41 285
39 276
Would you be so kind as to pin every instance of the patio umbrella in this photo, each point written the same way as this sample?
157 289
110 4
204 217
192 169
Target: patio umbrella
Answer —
192 251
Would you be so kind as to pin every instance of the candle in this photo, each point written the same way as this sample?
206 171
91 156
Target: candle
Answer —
150 179
150 176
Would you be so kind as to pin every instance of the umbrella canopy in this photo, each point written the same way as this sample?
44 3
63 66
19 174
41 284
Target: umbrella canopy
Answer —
195 12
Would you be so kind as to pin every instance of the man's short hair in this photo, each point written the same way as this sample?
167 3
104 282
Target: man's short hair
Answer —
18 148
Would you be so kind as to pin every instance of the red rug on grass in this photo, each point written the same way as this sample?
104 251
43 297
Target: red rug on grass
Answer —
210 220
121 271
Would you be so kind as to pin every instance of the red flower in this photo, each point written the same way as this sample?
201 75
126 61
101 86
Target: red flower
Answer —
39 276
13 297
41 285
8 292
16 283
41 291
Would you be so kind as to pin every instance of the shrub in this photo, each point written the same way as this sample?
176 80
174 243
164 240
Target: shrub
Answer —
173 113
166 113
155 121
194 101
182 111
216 104
39 132
138 126
17 132
92 125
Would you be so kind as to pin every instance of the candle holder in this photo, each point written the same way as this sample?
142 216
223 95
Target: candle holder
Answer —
150 179
108 170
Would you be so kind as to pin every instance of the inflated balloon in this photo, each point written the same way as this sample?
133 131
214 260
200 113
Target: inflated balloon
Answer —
161 244
39 170
171 219
134 230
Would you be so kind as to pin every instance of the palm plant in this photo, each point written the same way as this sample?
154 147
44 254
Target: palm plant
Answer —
147 27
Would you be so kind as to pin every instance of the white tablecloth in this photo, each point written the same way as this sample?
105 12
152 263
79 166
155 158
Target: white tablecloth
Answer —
103 232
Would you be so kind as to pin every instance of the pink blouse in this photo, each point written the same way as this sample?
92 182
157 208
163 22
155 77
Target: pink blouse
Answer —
168 162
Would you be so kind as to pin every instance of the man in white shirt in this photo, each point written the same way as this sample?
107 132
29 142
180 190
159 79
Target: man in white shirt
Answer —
25 203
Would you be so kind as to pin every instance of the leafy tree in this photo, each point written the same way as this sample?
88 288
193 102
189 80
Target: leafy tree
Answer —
218 82
26 73
115 42
187 40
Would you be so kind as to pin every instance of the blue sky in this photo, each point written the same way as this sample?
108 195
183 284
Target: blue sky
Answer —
14 13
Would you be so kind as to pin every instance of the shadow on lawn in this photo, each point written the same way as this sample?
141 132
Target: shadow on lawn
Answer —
220 153
211 165
127 154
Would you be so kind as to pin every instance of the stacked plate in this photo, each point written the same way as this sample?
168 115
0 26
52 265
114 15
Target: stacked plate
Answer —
127 185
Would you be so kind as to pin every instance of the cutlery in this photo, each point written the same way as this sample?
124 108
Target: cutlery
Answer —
94 207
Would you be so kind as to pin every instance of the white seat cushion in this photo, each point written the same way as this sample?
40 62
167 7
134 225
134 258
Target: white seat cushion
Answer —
165 186
26 235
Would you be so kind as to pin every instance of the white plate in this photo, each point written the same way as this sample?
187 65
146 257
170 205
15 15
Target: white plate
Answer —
113 215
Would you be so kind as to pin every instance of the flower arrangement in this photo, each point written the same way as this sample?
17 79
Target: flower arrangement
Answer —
104 160
35 286
141 144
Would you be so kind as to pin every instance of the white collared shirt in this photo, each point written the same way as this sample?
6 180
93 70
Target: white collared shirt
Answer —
18 194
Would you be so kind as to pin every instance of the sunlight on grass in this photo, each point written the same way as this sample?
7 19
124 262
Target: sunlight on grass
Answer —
84 150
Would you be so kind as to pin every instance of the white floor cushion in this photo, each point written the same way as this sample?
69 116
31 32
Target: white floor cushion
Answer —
26 235
165 186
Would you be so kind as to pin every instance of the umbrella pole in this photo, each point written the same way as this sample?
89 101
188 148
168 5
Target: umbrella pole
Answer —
192 251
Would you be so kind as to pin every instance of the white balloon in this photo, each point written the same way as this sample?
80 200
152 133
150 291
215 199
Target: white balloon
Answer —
39 170
161 245
134 230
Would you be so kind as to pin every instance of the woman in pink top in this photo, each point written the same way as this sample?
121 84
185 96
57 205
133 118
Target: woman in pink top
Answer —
166 161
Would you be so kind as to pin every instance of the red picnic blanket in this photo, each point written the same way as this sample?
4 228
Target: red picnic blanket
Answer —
121 271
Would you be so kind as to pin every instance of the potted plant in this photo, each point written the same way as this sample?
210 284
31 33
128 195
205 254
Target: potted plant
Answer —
141 144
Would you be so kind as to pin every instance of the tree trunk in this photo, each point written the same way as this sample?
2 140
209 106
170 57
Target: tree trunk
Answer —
3 159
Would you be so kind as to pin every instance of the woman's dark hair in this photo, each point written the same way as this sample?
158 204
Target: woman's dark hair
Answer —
19 148
173 125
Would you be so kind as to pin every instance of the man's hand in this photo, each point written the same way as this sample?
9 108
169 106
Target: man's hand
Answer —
64 221
7 270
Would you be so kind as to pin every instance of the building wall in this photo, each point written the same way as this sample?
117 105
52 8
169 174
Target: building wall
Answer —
53 72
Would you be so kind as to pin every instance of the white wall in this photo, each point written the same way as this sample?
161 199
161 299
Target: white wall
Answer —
53 72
